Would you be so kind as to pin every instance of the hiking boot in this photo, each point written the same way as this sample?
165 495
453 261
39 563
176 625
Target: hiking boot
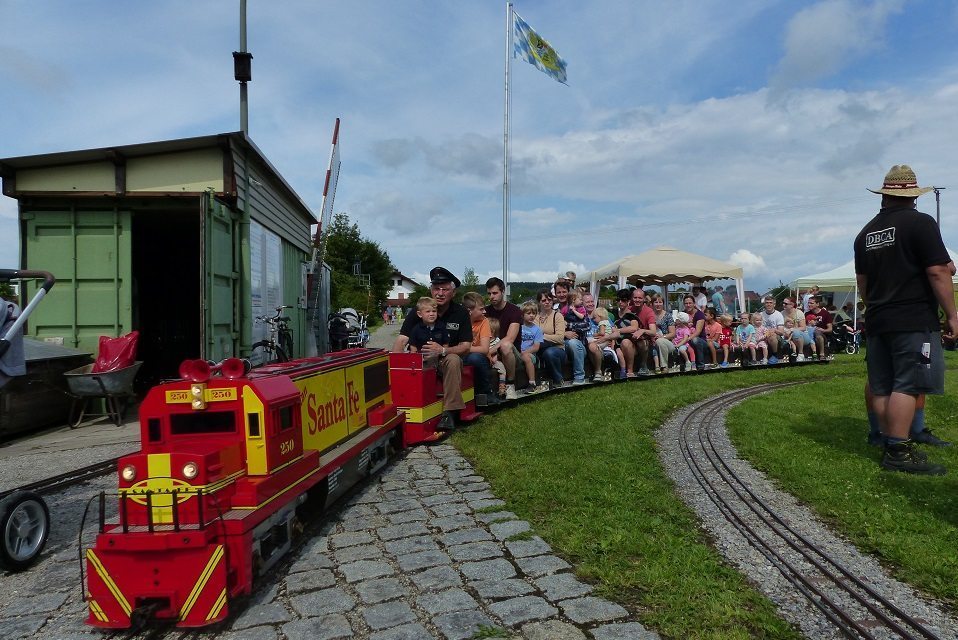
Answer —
927 437
446 422
904 457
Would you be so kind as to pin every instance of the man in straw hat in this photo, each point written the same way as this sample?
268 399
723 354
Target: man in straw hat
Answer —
904 273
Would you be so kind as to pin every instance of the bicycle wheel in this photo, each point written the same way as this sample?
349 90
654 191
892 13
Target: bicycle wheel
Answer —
268 353
286 344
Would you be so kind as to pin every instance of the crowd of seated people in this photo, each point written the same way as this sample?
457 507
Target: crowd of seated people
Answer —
563 338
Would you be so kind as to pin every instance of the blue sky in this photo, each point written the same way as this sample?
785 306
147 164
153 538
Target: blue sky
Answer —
746 132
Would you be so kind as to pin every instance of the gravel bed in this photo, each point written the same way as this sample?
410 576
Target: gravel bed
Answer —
792 605
32 466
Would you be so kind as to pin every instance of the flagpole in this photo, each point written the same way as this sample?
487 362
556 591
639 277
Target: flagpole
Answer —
505 154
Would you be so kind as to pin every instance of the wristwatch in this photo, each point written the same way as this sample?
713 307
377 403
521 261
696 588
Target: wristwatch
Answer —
443 352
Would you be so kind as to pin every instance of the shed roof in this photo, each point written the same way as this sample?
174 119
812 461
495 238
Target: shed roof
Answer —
232 140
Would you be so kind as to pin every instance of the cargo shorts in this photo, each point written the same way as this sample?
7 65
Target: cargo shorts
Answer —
909 362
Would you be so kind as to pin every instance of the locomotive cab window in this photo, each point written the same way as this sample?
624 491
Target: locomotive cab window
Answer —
285 418
183 424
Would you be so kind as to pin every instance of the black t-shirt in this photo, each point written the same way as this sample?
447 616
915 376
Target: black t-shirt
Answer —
456 319
421 334
625 321
893 251
509 314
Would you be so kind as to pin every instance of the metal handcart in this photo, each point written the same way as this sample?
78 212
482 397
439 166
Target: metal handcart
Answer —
114 388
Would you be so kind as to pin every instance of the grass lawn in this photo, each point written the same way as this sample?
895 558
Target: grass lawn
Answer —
583 469
811 439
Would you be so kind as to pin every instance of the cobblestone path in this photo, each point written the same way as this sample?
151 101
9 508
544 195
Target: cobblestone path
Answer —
425 551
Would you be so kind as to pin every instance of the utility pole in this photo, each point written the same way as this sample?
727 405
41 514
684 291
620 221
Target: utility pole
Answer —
938 191
242 70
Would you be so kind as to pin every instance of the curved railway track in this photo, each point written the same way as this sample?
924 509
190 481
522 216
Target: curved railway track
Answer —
852 606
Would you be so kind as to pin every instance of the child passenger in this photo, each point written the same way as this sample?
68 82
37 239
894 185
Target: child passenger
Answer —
683 333
713 331
430 329
745 339
793 336
760 339
725 338
532 337
603 338
497 366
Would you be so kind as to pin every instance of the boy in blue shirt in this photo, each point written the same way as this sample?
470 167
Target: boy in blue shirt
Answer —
531 336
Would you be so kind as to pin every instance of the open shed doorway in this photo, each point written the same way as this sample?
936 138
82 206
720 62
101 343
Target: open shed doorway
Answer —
166 291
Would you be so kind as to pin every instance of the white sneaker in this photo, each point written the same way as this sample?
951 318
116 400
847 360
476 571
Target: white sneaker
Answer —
511 392
801 358
598 378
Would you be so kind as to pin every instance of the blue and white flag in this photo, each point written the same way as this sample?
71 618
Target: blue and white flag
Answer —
532 48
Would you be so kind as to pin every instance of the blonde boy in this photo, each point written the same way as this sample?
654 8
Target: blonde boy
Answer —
430 329
532 338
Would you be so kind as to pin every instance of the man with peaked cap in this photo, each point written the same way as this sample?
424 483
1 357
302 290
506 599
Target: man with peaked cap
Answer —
904 274
443 289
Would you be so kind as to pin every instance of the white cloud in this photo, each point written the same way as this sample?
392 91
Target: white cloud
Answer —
752 264
397 212
827 36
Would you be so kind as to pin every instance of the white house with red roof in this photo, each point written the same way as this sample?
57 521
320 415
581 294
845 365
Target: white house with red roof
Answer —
402 287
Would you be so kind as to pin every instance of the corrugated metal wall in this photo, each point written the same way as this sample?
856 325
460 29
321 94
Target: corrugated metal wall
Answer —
268 205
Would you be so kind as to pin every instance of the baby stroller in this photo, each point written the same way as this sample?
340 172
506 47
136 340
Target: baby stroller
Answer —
358 331
347 330
338 327
843 338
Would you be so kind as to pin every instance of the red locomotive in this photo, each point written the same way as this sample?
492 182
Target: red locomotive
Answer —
229 457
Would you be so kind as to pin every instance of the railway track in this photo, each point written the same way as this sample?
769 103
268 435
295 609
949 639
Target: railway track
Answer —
68 479
853 607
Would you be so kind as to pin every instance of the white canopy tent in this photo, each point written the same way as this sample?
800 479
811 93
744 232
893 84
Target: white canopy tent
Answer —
664 266
842 279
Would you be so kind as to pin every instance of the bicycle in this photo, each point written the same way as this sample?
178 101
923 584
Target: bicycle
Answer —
278 344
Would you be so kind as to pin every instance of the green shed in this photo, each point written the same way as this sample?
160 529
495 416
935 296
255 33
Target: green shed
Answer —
186 241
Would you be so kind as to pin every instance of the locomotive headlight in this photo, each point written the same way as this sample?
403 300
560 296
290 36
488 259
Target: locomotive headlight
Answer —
128 473
198 395
190 470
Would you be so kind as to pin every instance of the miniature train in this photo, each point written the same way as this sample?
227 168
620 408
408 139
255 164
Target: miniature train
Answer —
231 458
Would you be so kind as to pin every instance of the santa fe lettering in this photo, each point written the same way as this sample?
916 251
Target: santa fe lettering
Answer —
322 416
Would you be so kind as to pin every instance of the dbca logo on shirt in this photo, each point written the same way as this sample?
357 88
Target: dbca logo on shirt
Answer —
877 239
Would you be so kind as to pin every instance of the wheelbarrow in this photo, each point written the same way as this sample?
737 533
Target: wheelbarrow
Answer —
115 388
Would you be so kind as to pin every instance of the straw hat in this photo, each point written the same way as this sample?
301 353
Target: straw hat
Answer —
901 181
